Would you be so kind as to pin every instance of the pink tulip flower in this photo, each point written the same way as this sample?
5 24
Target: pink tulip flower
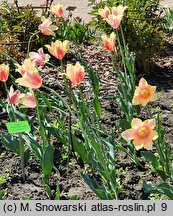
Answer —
27 66
30 80
75 73
104 12
58 49
14 96
4 72
141 133
114 19
119 11
46 28
39 58
144 93
27 101
57 10
109 42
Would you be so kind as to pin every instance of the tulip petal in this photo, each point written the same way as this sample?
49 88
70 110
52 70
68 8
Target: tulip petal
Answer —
143 83
30 81
153 95
27 101
104 12
138 143
148 145
151 123
128 134
34 79
154 135
136 123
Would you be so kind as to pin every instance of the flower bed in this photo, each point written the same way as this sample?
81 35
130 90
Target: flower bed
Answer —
79 123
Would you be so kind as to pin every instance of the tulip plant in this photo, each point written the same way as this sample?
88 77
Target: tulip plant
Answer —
78 124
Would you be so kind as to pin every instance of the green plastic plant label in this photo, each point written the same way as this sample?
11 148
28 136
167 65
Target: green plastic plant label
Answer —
18 127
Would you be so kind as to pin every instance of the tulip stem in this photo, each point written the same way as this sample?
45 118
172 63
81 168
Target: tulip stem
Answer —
21 147
40 126
70 144
20 138
22 157
70 117
61 98
124 43
6 89
121 52
29 42
61 66
48 63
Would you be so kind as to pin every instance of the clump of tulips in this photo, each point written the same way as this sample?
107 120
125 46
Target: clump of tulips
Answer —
76 115
143 133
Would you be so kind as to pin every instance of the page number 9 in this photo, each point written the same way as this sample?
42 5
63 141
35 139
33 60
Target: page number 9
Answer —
164 206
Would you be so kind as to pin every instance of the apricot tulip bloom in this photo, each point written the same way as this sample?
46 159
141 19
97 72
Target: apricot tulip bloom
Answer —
114 19
27 101
30 80
144 93
57 10
75 73
23 100
109 42
14 96
27 65
58 49
39 58
104 12
46 28
119 11
4 72
141 133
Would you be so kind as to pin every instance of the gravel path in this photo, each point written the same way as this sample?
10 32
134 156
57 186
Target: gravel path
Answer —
81 6
81 10
168 3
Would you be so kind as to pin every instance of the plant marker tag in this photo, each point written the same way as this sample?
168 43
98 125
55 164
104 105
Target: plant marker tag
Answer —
18 127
